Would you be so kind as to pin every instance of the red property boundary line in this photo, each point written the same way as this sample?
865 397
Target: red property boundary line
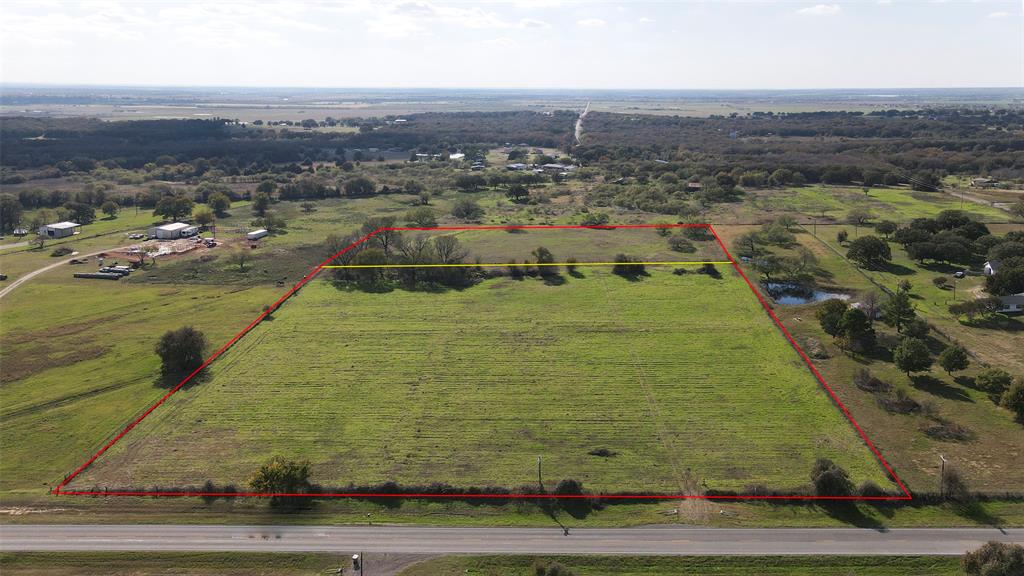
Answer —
59 489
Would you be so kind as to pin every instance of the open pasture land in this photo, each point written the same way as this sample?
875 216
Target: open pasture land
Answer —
897 204
682 379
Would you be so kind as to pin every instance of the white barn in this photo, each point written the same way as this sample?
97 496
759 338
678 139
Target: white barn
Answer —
59 229
173 231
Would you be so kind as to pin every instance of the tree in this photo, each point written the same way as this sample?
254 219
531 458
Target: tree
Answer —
467 209
1018 209
748 244
954 358
829 479
470 182
856 331
858 217
10 213
768 265
204 216
174 206
995 559
360 186
267 187
240 256
940 282
842 236
84 213
886 228
260 202
898 310
626 266
917 328
543 255
1013 398
869 251
110 208
993 380
280 476
830 315
517 193
912 355
219 203
422 217
308 207
181 350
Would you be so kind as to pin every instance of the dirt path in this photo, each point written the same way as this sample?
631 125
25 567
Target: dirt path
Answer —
19 281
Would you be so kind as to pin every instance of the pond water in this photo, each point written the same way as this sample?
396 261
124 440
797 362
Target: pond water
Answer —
784 293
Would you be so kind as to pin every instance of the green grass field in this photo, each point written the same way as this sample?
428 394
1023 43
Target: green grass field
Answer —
668 565
683 377
272 564
897 204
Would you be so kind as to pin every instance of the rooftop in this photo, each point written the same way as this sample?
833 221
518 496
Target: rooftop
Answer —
174 226
63 225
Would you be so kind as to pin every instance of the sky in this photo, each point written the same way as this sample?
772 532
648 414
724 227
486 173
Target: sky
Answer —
515 44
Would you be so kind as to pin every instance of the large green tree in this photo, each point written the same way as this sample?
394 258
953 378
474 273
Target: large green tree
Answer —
181 350
912 355
869 251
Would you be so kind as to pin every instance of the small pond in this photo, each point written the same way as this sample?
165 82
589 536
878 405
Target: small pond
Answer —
784 293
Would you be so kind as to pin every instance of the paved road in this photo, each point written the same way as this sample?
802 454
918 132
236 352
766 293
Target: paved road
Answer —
25 278
411 539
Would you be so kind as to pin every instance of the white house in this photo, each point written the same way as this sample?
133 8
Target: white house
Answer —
1012 303
457 156
59 229
991 267
173 231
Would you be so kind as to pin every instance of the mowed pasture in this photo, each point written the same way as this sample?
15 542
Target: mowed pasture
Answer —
683 379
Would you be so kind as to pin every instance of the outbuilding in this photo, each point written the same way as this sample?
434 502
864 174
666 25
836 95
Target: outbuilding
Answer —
1013 303
59 229
256 234
173 231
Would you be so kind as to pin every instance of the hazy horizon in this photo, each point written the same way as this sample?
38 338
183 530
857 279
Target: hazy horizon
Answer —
514 45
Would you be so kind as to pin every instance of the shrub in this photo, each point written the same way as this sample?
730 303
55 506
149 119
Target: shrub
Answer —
993 380
467 209
940 282
829 479
680 244
595 219
995 559
953 486
1013 398
869 488
624 266
62 251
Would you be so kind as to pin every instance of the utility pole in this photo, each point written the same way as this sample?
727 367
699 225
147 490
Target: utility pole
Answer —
540 481
954 288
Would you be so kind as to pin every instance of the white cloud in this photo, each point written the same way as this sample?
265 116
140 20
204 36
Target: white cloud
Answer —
591 23
884 2
996 15
646 20
821 10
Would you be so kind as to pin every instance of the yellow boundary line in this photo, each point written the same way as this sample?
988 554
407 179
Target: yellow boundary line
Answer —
504 264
